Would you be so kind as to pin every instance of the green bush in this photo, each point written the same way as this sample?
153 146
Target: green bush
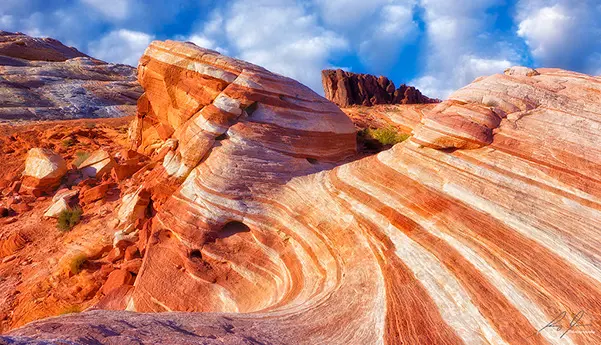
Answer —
68 219
385 136
77 262
80 157
68 142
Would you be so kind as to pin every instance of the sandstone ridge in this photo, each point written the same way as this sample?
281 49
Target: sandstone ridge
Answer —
477 230
41 79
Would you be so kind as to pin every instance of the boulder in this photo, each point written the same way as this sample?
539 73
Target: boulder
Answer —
117 279
44 170
97 165
57 208
61 202
131 253
21 208
116 299
94 194
132 265
125 170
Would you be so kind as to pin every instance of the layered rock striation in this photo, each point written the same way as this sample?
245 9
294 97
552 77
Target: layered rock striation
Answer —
480 229
40 78
347 88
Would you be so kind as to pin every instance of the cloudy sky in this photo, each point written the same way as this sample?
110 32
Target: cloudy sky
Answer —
437 45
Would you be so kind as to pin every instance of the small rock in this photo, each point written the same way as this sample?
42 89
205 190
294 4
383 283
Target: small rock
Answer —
117 279
93 194
132 266
98 164
131 253
8 258
21 208
115 254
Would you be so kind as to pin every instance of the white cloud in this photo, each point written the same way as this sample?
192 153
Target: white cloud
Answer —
282 36
121 46
6 21
459 50
468 68
562 33
376 30
113 9
545 31
203 41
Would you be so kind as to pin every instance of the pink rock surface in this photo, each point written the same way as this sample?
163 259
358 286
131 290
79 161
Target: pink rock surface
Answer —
483 244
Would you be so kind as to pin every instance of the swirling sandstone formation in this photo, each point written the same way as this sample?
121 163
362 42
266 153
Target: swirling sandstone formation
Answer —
347 88
40 78
481 229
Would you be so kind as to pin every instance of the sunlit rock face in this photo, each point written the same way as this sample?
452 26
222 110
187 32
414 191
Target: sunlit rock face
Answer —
42 79
435 241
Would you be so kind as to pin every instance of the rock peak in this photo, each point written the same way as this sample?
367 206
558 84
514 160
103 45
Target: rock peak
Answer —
347 88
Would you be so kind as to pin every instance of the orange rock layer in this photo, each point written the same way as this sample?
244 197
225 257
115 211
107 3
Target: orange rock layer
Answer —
483 228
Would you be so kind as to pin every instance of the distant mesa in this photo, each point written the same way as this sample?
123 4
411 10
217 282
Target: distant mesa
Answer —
347 88
42 79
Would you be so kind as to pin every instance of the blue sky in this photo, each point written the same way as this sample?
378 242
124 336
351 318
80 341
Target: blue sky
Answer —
437 45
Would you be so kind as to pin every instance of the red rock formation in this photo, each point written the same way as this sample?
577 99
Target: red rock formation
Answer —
347 88
40 78
480 229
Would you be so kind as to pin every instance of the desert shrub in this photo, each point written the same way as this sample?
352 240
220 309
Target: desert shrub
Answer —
67 219
68 142
90 125
80 157
385 136
76 263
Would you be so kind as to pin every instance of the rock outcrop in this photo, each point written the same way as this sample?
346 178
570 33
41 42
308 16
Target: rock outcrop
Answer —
40 78
347 88
470 232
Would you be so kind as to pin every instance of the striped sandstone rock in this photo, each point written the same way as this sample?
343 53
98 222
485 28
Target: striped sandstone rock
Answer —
483 244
